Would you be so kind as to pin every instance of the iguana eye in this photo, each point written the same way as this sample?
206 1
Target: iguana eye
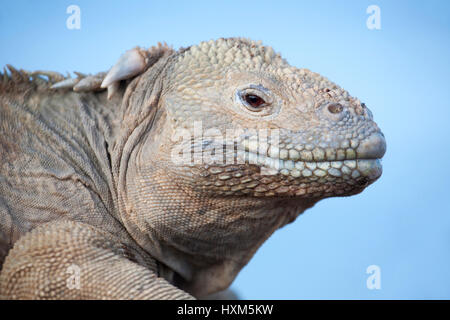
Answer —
254 101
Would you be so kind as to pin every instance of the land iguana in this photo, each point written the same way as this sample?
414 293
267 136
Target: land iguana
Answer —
129 179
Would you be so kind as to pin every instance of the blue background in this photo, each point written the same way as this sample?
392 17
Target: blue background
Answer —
402 222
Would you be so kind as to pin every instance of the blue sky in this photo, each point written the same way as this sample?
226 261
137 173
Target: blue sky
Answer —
402 222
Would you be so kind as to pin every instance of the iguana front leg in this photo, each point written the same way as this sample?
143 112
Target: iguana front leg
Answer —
45 262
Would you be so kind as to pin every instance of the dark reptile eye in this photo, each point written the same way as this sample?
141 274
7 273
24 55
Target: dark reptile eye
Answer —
254 101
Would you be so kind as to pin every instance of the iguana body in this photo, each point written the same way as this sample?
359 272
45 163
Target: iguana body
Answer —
88 179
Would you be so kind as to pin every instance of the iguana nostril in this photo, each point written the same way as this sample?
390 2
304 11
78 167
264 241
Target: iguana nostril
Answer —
335 108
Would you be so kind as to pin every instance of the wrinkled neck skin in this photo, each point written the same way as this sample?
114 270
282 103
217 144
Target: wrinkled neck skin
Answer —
204 239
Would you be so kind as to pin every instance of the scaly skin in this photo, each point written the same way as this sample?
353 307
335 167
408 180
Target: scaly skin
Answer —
97 182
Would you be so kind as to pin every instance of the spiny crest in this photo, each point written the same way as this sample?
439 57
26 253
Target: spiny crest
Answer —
134 62
13 79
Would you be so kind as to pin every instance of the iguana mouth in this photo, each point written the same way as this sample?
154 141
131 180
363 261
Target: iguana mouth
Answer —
363 160
354 168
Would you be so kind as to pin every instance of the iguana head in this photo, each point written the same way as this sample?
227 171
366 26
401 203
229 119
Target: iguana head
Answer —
234 144
296 133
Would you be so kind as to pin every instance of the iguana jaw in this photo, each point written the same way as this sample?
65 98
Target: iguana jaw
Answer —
355 168
301 180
